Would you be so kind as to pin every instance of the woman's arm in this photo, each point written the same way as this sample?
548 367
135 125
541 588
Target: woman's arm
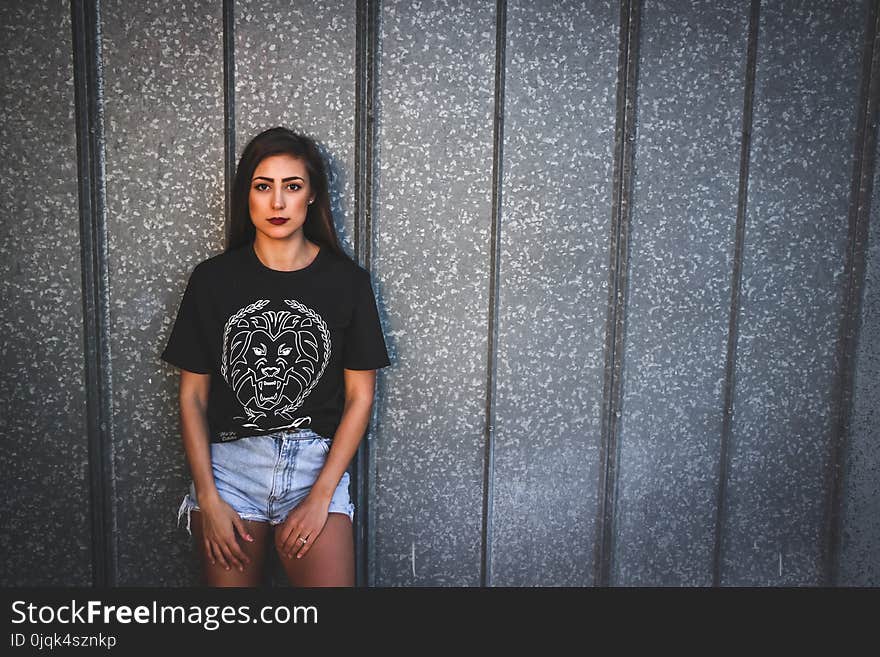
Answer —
194 390
219 520
310 515
360 387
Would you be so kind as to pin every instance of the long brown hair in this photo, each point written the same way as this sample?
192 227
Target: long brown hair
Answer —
319 226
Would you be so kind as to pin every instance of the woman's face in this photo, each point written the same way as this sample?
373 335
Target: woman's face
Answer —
279 196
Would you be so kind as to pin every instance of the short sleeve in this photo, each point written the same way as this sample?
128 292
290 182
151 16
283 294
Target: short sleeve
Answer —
364 343
186 346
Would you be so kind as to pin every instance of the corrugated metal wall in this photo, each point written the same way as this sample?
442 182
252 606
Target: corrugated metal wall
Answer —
626 257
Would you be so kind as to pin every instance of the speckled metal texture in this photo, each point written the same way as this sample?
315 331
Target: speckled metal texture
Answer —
294 66
163 91
860 508
794 254
432 228
692 63
46 536
556 207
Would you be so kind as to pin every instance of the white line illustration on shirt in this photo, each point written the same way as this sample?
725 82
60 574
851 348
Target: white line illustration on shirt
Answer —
272 359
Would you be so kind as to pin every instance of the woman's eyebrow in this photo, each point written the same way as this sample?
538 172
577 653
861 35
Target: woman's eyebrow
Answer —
284 180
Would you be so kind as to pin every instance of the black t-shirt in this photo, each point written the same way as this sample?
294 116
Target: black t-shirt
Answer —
275 342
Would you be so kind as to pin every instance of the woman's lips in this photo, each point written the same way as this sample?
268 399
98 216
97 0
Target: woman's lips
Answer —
278 221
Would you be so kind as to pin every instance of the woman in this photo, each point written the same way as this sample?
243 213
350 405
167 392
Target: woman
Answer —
278 341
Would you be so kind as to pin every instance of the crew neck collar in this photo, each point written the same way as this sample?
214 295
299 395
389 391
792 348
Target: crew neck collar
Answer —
255 260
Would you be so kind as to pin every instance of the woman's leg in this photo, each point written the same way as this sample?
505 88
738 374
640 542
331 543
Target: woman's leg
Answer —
330 561
217 575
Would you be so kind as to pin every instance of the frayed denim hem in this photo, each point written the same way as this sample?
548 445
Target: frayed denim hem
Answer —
187 507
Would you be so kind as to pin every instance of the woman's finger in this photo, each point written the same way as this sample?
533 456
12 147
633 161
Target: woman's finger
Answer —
238 553
290 542
302 540
219 559
230 558
304 546
239 526
236 549
209 552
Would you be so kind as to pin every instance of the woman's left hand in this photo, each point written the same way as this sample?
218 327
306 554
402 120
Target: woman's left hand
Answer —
305 521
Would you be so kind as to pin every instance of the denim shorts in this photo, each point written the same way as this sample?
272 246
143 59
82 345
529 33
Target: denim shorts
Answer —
265 477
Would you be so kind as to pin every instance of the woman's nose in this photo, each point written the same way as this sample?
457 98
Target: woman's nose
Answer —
277 200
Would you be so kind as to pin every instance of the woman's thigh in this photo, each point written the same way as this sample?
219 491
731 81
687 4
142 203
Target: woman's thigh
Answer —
330 561
217 575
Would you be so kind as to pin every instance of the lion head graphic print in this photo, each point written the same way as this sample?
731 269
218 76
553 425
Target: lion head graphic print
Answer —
272 359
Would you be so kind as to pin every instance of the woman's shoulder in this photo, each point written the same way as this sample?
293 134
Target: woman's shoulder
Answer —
220 262
345 265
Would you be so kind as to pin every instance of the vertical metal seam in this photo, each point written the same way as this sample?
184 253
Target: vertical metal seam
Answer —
89 120
366 39
624 137
735 289
228 106
854 272
494 282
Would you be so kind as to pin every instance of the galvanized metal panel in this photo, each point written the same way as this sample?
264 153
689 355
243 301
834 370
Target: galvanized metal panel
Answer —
46 537
794 254
556 205
294 66
860 509
432 228
691 70
163 91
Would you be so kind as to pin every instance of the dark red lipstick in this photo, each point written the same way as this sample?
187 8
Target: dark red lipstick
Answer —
278 221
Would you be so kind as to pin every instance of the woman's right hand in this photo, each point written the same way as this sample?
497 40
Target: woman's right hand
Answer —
219 524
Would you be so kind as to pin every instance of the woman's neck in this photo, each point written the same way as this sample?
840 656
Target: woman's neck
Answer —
285 255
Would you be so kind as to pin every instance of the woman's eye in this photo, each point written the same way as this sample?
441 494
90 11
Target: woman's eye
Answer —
294 187
261 187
